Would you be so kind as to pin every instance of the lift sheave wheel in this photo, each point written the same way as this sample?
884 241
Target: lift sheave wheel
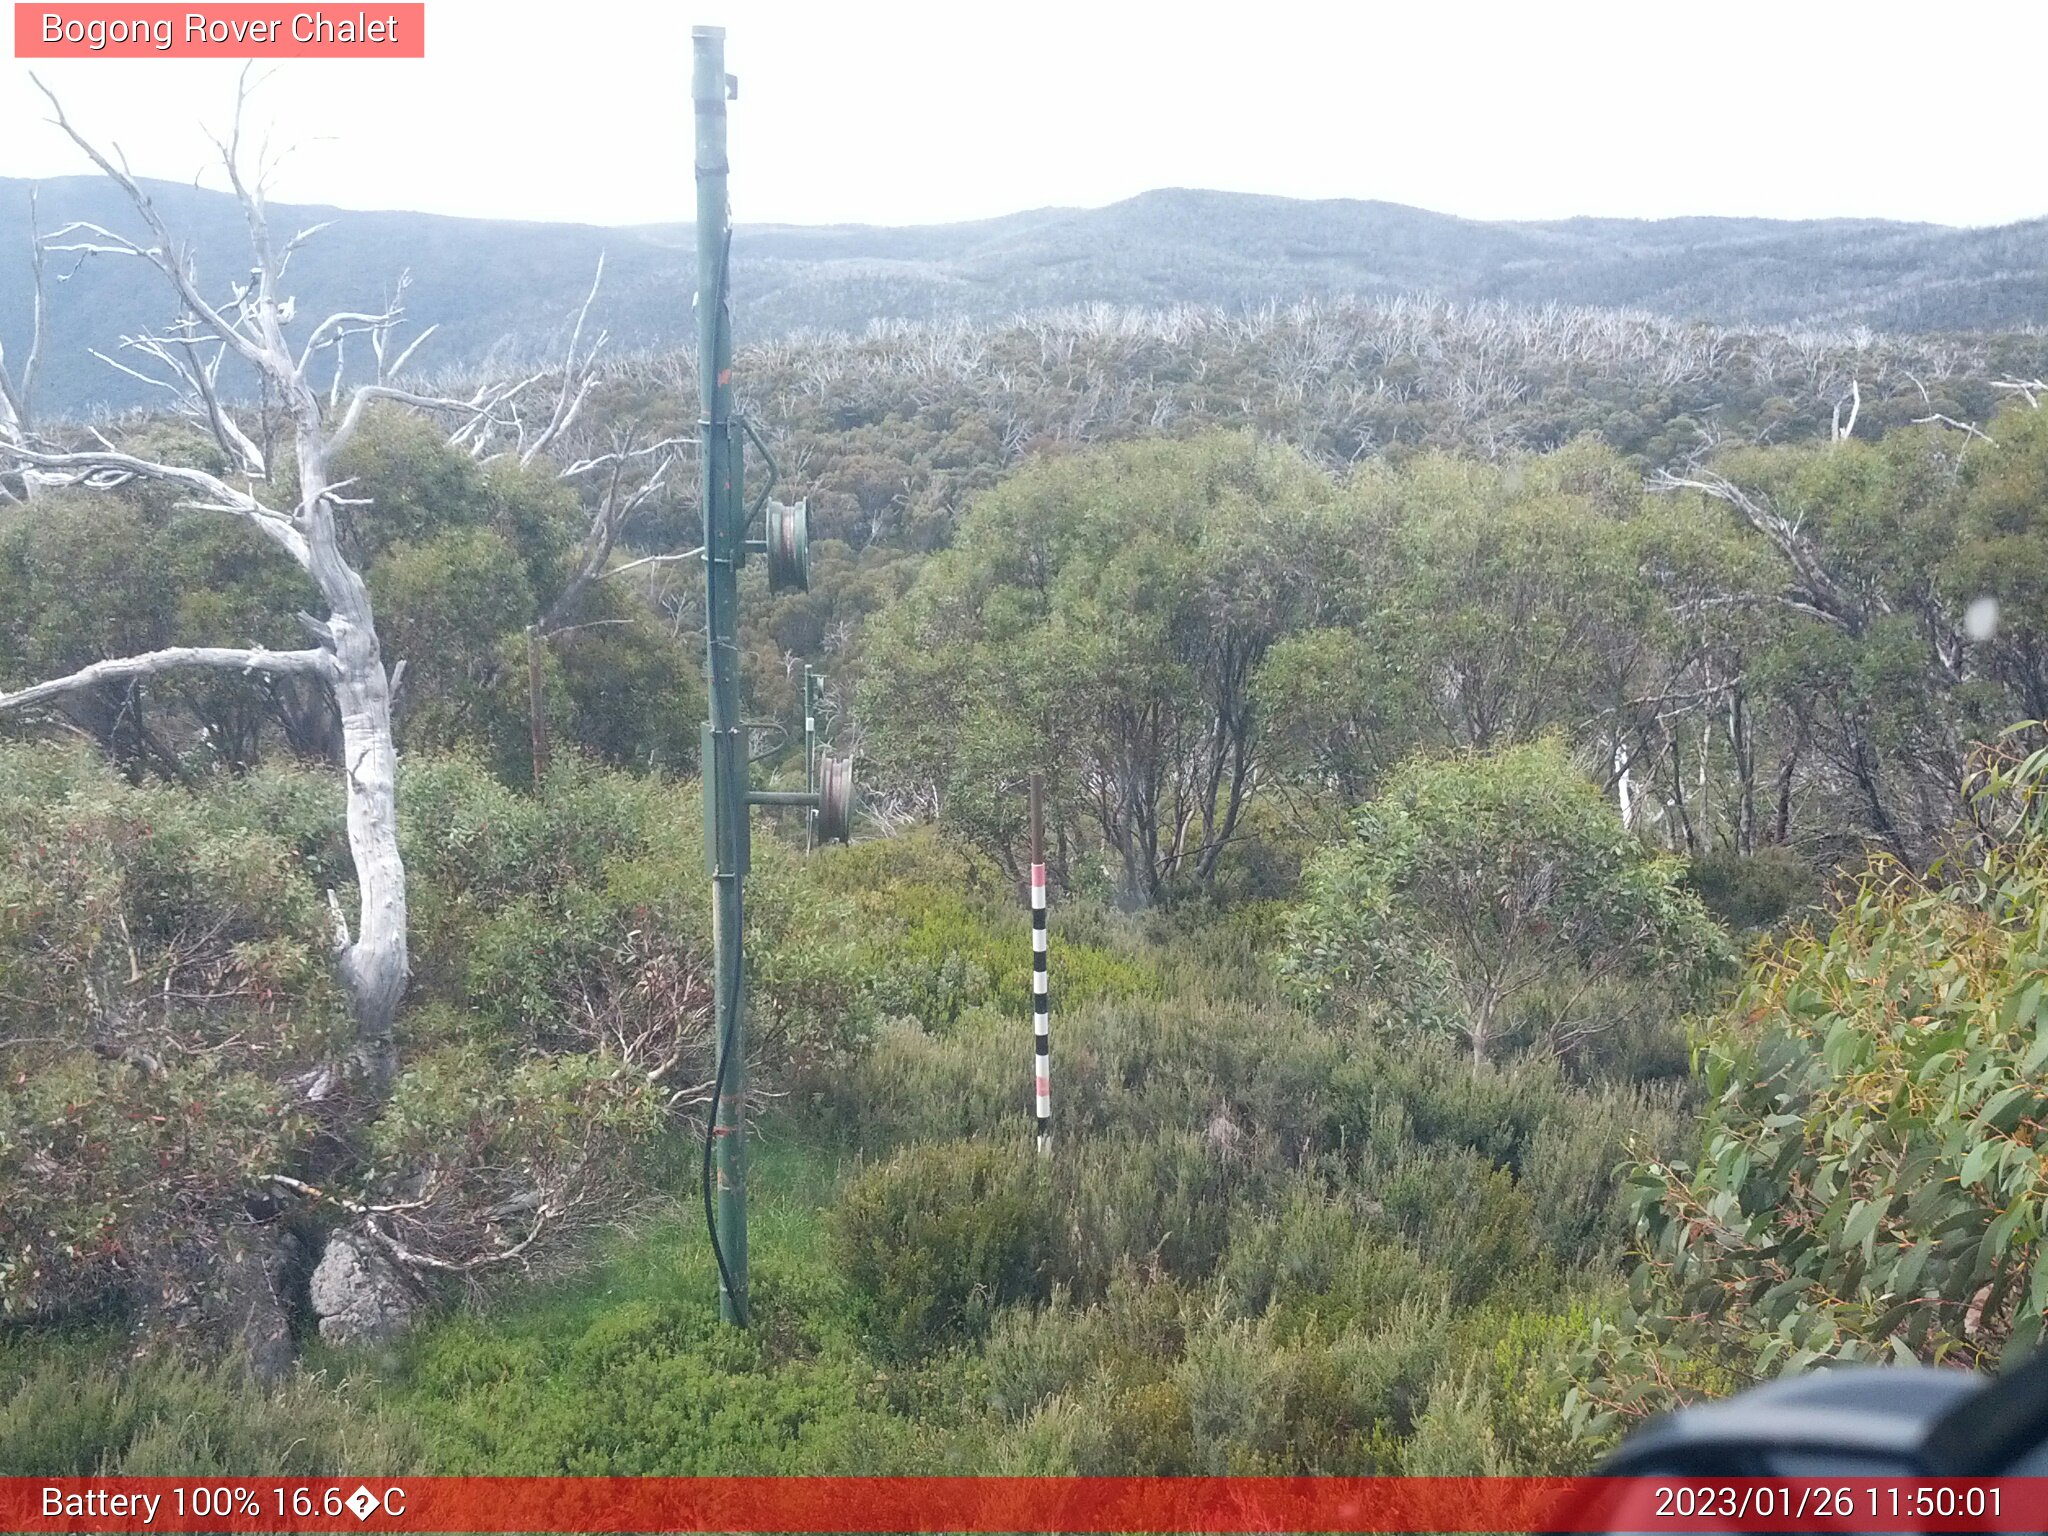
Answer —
789 547
835 799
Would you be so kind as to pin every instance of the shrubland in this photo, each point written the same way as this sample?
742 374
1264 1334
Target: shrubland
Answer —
1528 944
1238 1187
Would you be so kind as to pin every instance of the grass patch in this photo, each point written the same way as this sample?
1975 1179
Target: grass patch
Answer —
626 1370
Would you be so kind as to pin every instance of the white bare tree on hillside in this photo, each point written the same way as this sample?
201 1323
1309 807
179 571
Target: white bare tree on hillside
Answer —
185 358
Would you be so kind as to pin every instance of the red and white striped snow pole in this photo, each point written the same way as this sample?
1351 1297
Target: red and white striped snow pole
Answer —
1041 1000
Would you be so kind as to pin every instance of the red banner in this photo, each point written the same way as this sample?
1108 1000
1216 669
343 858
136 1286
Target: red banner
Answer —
232 31
1000 1504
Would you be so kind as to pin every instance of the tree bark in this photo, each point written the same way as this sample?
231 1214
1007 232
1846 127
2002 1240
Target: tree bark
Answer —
536 703
374 968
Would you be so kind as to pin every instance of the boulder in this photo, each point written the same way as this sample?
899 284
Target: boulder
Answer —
358 1294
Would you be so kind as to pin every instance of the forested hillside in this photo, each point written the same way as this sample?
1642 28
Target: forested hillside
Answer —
499 289
1526 788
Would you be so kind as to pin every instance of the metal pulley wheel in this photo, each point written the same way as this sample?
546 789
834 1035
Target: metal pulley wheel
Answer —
789 547
835 799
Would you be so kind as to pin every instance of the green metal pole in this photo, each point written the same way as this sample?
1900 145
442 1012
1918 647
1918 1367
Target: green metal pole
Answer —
725 761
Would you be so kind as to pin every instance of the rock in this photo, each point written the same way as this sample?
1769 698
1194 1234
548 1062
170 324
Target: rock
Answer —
358 1294
266 1324
1223 1134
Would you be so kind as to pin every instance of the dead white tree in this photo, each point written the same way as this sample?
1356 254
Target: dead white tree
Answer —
1841 431
18 386
185 360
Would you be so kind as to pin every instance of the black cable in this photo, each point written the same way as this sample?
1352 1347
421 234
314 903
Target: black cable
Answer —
726 1025
711 1139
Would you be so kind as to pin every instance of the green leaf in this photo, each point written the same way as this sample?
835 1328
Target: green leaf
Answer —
1861 1226
2000 1235
2003 1112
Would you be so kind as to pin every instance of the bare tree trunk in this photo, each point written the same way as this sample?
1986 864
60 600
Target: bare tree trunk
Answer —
1480 1029
1678 802
17 389
1781 825
536 704
375 966
1743 746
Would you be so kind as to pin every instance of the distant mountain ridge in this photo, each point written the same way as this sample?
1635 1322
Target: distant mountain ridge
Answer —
501 291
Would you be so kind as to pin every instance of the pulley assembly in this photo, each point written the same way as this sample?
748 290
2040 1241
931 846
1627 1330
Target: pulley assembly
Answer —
835 799
789 547
828 779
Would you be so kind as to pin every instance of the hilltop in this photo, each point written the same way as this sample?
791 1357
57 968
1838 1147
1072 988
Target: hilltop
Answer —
497 288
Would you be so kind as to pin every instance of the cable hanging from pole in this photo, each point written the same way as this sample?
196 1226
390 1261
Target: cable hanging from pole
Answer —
723 1172
727 1032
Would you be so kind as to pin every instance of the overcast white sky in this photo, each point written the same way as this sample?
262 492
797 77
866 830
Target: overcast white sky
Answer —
894 112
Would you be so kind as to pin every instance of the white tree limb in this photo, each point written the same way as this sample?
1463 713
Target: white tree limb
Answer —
577 378
164 254
17 391
1843 431
107 468
477 408
1937 419
1824 595
177 658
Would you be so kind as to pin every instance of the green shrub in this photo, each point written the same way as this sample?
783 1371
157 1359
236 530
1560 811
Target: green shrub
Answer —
648 1388
1490 898
81 1411
931 1242
1149 1431
1234 1379
1468 1217
1528 1362
1129 1338
1574 1168
164 973
1564 1143
1387 1367
1034 1354
1318 1265
1131 1067
943 932
1161 1203
1454 1437
1752 892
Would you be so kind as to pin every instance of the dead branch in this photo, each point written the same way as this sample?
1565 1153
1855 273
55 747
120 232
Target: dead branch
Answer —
578 378
1822 594
155 663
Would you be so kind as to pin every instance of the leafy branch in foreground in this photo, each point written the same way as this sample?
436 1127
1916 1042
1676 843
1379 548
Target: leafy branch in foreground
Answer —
1873 1173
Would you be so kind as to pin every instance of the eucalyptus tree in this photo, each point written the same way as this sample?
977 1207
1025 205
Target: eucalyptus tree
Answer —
1866 1185
1102 616
1496 898
1906 577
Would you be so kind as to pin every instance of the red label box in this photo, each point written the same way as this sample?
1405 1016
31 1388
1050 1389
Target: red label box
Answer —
1082 1506
379 30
